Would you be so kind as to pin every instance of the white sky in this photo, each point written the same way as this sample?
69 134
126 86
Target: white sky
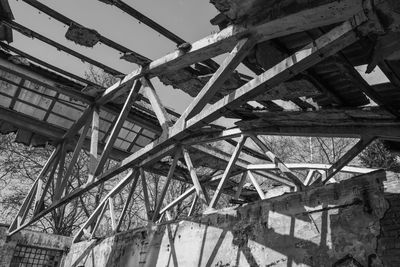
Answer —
189 19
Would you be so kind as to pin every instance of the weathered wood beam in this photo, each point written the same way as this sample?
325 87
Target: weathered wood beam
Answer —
133 94
256 185
348 156
156 104
240 186
75 156
240 163
67 21
320 49
230 63
225 176
90 232
178 200
95 215
32 34
310 166
58 189
112 214
192 171
87 114
127 202
193 206
94 143
326 14
166 185
146 198
279 164
309 177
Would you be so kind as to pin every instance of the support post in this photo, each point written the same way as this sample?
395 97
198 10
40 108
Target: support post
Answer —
348 156
193 176
227 171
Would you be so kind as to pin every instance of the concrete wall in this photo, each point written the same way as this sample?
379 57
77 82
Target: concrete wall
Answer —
354 223
30 238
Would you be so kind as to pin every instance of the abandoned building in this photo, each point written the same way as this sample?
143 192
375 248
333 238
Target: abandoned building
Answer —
278 69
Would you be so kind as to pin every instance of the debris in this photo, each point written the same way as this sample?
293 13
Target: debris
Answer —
82 36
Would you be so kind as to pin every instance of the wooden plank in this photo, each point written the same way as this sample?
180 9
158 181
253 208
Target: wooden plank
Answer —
127 201
67 21
75 156
224 41
273 158
240 186
26 204
156 104
133 94
99 217
348 156
193 206
320 49
225 176
337 39
94 141
178 200
49 182
243 164
309 166
58 189
145 193
193 176
131 174
230 63
112 214
256 185
166 185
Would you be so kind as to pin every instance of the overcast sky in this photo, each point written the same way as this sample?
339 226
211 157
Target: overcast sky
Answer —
189 19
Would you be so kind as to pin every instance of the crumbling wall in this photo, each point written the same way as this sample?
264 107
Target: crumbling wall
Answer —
352 223
28 238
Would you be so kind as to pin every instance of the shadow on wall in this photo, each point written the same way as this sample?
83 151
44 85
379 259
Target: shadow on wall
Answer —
346 224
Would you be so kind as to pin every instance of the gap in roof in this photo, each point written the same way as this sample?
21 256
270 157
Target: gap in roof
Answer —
375 77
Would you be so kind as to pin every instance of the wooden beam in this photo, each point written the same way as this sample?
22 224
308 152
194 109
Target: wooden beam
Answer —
59 181
133 94
166 185
87 115
309 177
193 206
240 186
227 172
329 13
67 21
320 49
95 215
193 175
273 158
182 197
99 216
230 63
127 202
256 185
158 107
348 156
145 193
112 214
94 142
309 166
75 156
32 34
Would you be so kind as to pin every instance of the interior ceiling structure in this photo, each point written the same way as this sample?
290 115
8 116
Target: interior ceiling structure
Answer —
305 58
